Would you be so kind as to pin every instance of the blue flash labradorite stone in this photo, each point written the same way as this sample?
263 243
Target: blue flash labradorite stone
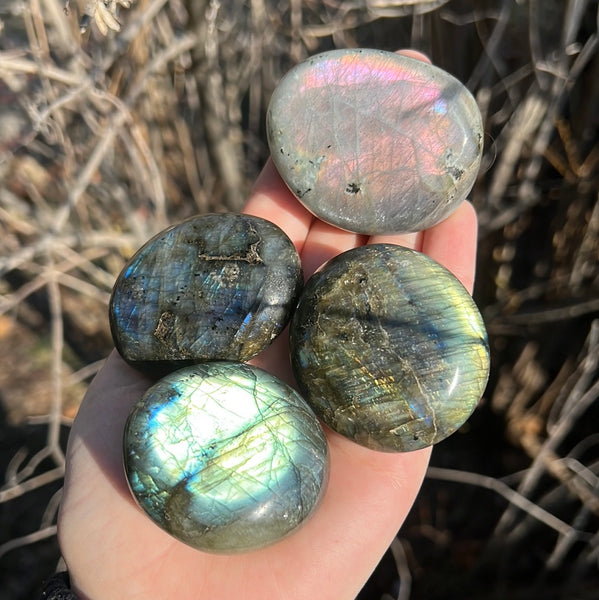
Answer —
375 142
218 286
225 457
389 348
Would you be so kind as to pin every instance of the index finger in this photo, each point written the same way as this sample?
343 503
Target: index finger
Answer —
452 243
271 199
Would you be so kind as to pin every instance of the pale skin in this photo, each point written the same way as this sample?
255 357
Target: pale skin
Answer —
114 551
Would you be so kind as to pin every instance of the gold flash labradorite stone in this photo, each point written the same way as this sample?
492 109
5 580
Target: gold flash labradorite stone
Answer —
225 457
389 348
375 142
214 287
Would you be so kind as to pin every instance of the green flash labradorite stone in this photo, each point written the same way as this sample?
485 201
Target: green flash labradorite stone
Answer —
225 457
214 287
375 142
389 348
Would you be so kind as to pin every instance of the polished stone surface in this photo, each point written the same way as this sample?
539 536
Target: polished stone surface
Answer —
225 457
219 286
388 348
374 142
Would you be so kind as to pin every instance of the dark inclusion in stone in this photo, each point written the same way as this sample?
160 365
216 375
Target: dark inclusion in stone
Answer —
225 457
389 348
219 286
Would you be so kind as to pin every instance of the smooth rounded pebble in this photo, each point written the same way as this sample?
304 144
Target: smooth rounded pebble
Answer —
225 457
375 142
214 287
389 348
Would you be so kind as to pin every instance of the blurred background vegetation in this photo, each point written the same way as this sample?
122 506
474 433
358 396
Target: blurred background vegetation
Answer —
117 119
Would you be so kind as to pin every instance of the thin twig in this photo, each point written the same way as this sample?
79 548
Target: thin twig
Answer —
403 570
512 496
57 334
30 484
30 538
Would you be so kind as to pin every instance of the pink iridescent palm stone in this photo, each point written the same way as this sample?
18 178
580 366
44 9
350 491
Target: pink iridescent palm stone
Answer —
375 142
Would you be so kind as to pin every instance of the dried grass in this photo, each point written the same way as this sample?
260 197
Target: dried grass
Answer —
156 111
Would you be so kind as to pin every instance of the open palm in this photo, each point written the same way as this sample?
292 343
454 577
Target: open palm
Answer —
114 551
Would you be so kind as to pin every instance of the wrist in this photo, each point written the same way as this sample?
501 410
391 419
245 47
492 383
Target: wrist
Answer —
58 587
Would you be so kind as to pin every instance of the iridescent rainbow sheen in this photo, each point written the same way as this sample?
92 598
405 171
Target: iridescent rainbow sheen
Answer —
375 142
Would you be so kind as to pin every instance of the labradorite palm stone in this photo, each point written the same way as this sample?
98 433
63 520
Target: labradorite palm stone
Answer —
214 287
225 457
375 142
389 348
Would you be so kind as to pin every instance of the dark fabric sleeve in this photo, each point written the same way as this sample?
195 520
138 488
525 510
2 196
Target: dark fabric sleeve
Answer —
58 588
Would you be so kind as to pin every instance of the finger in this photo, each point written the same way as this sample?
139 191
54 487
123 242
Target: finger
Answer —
452 243
408 240
415 54
325 241
315 240
271 199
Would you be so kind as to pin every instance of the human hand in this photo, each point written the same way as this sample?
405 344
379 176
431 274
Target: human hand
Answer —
113 550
